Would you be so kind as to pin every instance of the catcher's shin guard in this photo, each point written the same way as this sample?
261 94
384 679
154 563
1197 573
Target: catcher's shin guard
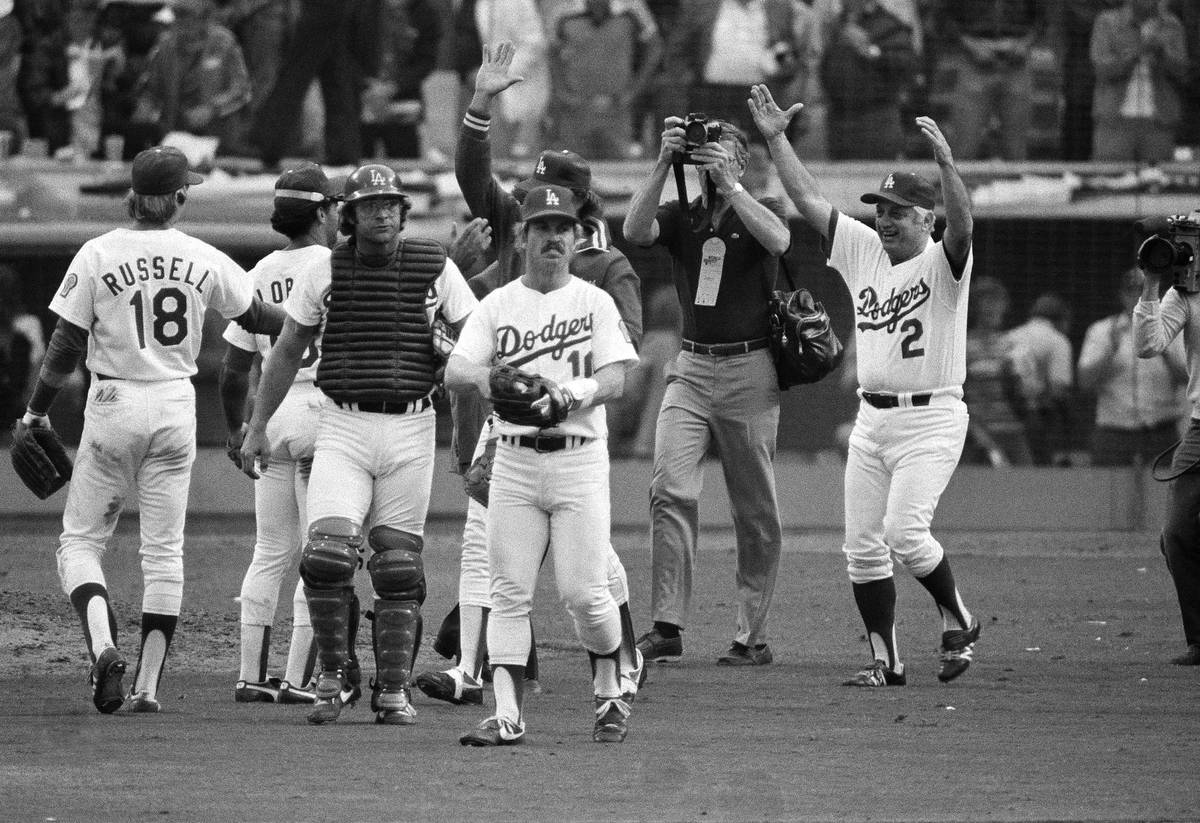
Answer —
397 635
327 566
398 575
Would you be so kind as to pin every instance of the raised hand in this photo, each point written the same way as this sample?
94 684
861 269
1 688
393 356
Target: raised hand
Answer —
469 248
770 119
495 72
941 148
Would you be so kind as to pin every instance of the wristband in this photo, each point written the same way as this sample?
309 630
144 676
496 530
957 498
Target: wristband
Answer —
580 392
34 419
737 187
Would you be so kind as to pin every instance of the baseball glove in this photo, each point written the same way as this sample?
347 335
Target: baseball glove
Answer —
477 479
514 393
39 459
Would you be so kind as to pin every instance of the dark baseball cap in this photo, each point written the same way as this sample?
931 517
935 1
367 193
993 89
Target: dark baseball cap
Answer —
306 181
904 189
162 170
559 168
549 201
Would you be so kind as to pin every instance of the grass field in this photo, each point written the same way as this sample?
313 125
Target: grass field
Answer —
1070 711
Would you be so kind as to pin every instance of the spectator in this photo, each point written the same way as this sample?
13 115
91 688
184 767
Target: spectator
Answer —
1188 13
869 64
1043 361
1139 52
263 29
96 58
1075 26
809 129
12 116
393 107
603 53
983 71
517 128
196 79
137 29
327 45
996 434
42 82
22 346
757 45
1139 403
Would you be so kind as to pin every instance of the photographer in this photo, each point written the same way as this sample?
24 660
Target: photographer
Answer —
723 390
1155 325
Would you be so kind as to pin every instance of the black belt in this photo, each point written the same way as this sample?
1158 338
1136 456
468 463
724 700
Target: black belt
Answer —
545 443
723 349
891 401
386 406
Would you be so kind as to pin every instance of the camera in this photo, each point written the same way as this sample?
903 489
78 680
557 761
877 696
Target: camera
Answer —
1173 246
698 130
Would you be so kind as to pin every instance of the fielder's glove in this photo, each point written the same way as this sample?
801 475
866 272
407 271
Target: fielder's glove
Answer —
514 393
38 457
477 479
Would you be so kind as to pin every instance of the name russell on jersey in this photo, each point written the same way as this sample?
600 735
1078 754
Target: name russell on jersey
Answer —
143 270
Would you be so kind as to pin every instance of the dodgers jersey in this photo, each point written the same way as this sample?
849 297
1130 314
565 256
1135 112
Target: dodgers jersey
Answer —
910 320
275 276
142 296
449 293
571 332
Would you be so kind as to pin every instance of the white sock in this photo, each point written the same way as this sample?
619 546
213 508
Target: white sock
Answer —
154 654
470 627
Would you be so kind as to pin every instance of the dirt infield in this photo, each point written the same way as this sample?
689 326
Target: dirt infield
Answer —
1069 713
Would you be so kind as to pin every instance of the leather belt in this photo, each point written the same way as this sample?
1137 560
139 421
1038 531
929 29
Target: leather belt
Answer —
386 406
892 401
545 443
723 349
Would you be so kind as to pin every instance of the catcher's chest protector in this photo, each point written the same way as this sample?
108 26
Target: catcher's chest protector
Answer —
377 344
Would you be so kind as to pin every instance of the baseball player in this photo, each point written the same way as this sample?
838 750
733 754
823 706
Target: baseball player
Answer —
911 311
550 479
136 298
305 212
385 302
596 261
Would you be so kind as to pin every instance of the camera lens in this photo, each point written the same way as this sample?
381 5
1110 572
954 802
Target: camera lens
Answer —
1158 255
695 132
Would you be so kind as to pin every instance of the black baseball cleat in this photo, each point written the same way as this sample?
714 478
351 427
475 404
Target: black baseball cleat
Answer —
248 691
958 646
453 685
295 694
393 707
878 674
740 654
109 668
611 716
495 731
333 690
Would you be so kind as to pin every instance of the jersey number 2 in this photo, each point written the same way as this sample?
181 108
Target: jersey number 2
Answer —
912 331
170 324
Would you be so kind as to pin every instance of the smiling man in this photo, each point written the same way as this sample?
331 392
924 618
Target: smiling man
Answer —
911 330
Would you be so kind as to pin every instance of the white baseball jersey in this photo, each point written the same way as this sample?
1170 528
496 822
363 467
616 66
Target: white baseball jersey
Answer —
571 332
275 277
910 320
142 296
450 293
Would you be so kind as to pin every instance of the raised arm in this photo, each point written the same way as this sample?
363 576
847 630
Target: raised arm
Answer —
798 182
641 223
956 240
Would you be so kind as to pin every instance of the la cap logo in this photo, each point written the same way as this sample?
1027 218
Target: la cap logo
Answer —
552 198
541 166
890 183
377 178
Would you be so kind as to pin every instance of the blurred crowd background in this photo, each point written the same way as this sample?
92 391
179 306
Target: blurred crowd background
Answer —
1052 376
343 80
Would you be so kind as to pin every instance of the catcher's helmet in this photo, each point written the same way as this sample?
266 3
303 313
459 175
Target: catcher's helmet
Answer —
373 180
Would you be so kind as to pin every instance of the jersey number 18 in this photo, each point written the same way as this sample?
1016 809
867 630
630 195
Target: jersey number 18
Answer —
170 324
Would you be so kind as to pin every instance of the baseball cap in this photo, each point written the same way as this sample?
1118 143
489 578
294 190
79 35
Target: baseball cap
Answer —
549 201
904 189
162 170
305 182
559 168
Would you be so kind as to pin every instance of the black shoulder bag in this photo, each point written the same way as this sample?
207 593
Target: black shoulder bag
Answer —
803 343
